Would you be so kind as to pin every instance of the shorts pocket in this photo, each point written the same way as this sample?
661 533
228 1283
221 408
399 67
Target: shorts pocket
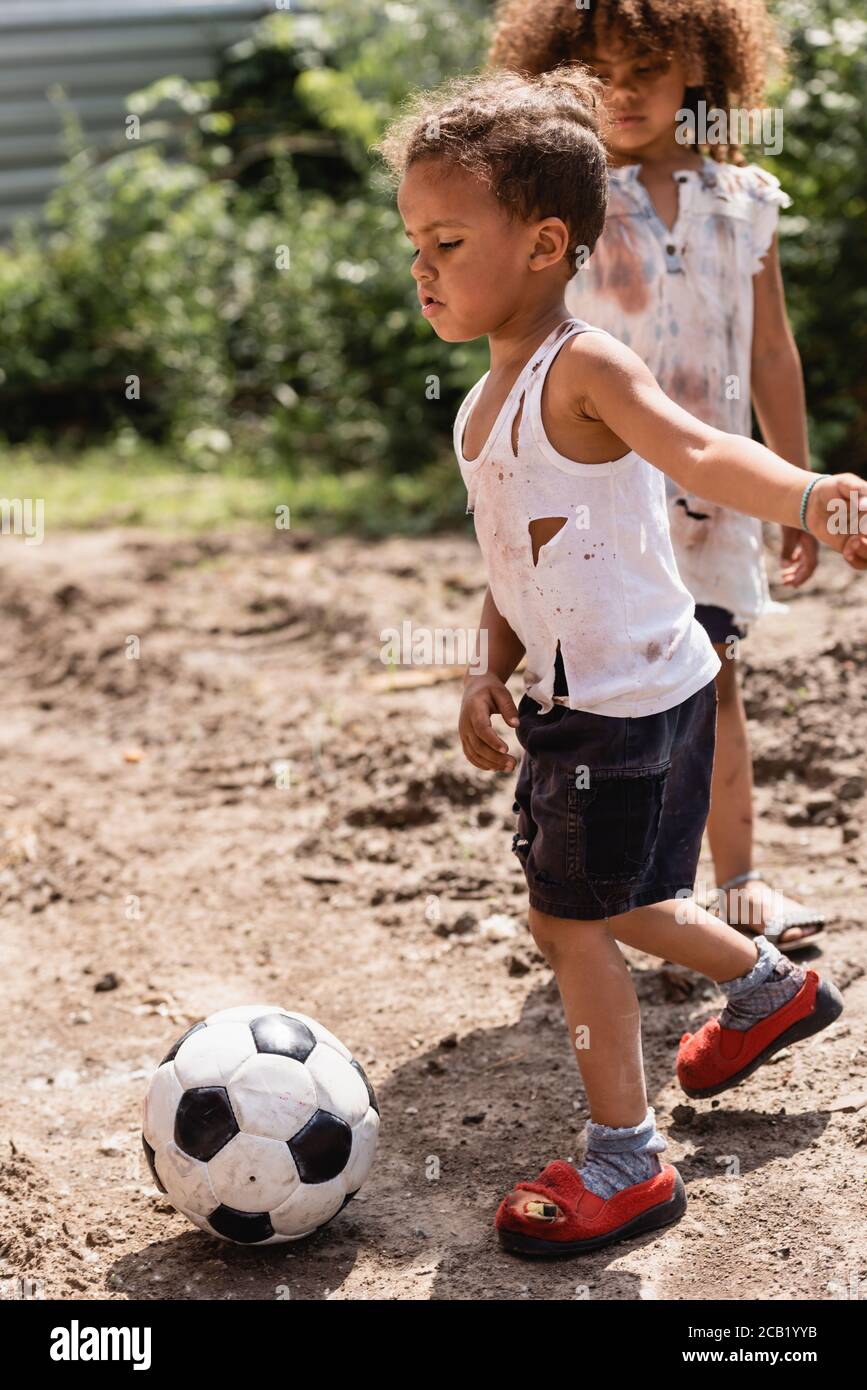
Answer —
613 824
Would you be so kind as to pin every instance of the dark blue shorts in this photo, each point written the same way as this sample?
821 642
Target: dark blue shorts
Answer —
718 623
611 811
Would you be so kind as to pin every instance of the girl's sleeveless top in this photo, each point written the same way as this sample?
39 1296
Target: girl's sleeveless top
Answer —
683 300
606 587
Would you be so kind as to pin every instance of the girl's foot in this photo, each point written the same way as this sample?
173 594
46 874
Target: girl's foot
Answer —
754 908
557 1215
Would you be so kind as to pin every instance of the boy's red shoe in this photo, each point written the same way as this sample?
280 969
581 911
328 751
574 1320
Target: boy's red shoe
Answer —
562 1217
715 1058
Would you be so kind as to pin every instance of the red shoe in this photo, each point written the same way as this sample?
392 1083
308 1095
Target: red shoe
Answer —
575 1219
715 1058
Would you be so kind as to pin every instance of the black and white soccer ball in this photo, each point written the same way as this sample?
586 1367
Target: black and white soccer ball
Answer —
259 1125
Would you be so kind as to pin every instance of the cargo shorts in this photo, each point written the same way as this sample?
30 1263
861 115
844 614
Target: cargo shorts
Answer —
611 811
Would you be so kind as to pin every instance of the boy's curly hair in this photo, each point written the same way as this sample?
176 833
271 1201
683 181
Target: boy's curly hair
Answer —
532 140
733 42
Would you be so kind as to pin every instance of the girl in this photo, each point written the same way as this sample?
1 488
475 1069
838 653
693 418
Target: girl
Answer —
687 273
560 444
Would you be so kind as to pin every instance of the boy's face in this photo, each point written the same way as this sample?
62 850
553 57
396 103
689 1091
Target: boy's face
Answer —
644 90
471 263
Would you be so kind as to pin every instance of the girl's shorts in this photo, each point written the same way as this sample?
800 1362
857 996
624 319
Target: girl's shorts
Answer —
611 811
718 623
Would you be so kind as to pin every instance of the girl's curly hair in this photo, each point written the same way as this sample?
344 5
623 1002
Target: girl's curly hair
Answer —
532 140
732 42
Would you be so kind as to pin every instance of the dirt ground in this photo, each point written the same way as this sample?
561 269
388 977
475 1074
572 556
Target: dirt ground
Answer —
152 871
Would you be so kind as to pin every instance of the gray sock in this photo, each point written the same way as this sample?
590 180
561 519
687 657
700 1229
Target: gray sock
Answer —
772 982
618 1158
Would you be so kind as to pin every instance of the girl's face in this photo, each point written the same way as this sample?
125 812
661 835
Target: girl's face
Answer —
472 264
644 91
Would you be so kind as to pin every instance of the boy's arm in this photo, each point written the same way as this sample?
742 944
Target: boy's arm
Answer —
504 648
486 694
613 383
778 396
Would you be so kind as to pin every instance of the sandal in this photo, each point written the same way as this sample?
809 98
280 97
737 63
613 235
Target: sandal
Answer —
716 1058
574 1219
775 927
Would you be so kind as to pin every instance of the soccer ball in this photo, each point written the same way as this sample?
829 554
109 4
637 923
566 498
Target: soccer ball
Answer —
259 1125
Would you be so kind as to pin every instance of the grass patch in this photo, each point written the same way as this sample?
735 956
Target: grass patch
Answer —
99 488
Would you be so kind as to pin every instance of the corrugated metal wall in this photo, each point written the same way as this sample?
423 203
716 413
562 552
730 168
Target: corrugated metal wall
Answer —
97 51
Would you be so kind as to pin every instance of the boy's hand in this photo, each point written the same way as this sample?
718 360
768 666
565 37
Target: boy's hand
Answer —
484 696
798 557
837 516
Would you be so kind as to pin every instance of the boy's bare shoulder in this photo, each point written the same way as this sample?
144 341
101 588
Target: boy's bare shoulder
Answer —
597 351
590 358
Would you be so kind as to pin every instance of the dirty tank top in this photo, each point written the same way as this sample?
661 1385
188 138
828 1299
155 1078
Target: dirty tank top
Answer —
606 586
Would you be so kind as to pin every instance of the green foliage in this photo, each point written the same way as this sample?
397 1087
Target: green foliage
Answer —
823 166
259 287
254 277
108 293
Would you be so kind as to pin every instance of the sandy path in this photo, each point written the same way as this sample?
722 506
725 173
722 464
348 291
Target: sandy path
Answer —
138 896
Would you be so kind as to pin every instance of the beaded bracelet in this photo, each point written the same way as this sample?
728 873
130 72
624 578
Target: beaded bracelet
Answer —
805 499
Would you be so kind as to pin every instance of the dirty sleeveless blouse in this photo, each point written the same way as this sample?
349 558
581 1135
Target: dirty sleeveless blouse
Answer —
683 300
606 586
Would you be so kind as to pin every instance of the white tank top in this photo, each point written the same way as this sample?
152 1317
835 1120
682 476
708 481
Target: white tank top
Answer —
606 586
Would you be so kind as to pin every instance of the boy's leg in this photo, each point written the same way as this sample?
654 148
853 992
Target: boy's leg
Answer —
598 993
755 989
604 1022
602 1014
698 940
730 822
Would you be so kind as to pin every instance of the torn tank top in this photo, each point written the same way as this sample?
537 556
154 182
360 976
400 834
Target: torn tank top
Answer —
606 586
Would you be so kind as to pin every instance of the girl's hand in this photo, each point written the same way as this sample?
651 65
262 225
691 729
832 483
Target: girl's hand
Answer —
837 516
484 696
799 556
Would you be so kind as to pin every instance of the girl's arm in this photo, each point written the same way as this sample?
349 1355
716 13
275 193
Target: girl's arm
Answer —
778 397
610 381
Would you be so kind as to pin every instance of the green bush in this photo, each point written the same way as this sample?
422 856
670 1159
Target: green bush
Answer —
823 166
257 282
174 271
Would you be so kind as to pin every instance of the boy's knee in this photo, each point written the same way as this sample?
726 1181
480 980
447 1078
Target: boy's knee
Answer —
543 937
559 936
